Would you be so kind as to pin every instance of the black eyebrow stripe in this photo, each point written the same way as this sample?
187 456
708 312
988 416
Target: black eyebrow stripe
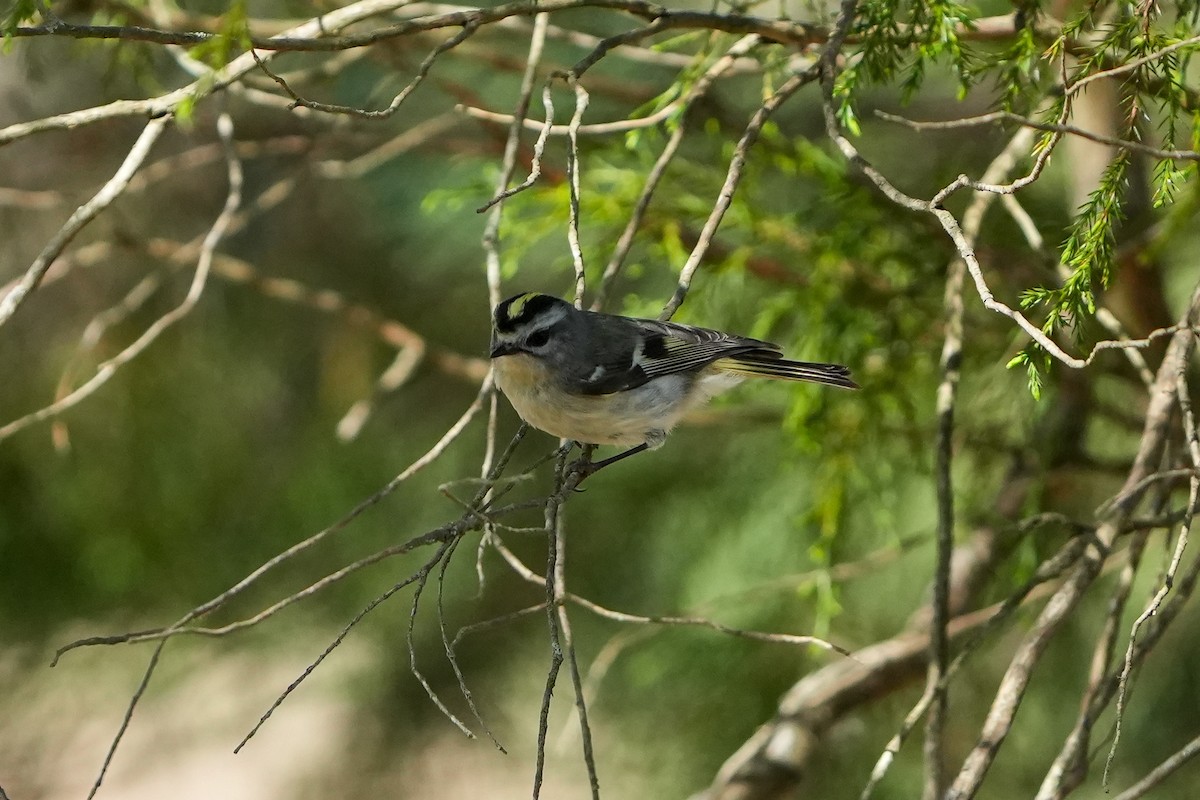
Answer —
532 306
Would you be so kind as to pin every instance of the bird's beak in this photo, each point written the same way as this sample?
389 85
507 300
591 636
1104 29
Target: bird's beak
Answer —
502 349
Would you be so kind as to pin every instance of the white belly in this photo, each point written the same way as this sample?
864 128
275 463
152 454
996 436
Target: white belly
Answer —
644 414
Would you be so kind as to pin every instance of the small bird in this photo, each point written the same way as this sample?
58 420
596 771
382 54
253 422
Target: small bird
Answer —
611 380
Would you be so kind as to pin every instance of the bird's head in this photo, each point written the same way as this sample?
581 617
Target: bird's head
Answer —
529 323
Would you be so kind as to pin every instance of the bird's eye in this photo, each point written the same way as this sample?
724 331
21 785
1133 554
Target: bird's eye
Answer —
538 338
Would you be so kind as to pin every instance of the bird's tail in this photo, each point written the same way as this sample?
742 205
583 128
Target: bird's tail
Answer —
767 366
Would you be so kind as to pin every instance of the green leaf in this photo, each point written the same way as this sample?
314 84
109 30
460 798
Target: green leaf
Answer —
1035 380
185 111
22 11
849 120
233 36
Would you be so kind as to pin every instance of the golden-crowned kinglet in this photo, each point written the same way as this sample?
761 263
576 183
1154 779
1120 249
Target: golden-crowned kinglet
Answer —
606 379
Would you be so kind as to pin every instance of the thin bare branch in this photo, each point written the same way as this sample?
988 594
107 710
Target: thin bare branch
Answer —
199 280
448 538
491 242
732 178
1033 589
1016 678
777 30
699 89
1183 397
568 646
1132 64
409 139
539 147
581 104
220 600
951 224
1068 768
1162 771
410 639
136 698
950 363
333 645
770 761
591 129
494 622
311 31
1050 127
448 649
468 29
553 509
111 190
668 620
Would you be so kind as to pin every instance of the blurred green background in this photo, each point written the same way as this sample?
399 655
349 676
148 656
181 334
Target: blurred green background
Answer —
216 449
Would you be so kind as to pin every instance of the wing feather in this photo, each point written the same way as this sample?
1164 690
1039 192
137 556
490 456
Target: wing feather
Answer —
645 349
671 347
783 369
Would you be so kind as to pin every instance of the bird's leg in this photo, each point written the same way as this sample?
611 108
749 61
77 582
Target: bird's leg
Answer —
633 451
592 467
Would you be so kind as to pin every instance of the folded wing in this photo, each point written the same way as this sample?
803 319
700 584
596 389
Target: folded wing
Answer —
666 348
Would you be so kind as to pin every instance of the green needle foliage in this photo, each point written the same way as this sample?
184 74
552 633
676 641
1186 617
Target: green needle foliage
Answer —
357 257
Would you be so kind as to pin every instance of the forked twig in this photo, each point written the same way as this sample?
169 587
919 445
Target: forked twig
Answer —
553 508
468 29
539 147
180 626
698 90
732 178
345 631
1183 397
1019 672
448 649
111 190
129 709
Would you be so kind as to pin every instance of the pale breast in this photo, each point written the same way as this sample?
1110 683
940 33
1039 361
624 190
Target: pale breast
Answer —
625 418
